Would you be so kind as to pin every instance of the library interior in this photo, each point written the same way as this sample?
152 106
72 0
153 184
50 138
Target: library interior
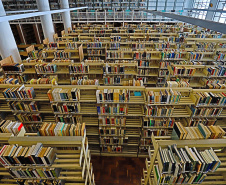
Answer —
112 92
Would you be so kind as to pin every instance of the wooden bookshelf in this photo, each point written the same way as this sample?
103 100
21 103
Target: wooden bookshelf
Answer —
212 177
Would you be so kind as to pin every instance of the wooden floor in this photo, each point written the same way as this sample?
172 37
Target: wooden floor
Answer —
117 170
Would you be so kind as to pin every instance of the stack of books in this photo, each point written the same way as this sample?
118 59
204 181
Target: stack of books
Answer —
111 149
217 71
199 132
8 126
163 97
24 106
62 129
66 107
117 109
185 165
45 68
13 155
59 94
21 93
113 95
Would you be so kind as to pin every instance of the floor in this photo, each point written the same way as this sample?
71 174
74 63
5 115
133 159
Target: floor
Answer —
118 170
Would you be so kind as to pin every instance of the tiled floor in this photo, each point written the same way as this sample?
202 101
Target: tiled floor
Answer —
118 170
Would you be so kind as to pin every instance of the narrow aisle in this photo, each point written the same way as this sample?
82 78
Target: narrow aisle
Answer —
118 170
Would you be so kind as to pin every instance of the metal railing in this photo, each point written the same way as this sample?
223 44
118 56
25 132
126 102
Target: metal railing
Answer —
101 17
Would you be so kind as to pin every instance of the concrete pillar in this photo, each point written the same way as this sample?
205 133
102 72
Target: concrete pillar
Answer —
8 44
66 15
209 14
46 20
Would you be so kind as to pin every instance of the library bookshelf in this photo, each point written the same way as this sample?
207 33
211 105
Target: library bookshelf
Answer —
143 53
218 146
72 163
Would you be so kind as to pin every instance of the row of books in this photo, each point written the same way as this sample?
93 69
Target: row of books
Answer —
159 122
191 122
46 68
94 45
199 132
204 112
59 94
32 55
172 55
24 106
147 63
164 64
95 52
146 71
84 82
111 149
62 129
113 69
38 182
159 111
145 55
8 126
9 81
114 45
113 95
216 71
68 118
26 117
156 132
163 97
113 140
115 38
66 107
50 80
116 131
21 93
13 68
79 68
41 173
113 80
163 73
177 165
13 155
173 84
112 121
196 56
114 54
117 109
209 98
184 71
145 142
221 56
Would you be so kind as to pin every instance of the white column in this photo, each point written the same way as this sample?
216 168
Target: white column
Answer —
46 20
66 15
209 14
7 42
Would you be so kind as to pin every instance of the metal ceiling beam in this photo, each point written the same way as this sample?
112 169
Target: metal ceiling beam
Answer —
196 9
199 22
28 15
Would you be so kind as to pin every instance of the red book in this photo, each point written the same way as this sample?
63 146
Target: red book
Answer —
65 108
